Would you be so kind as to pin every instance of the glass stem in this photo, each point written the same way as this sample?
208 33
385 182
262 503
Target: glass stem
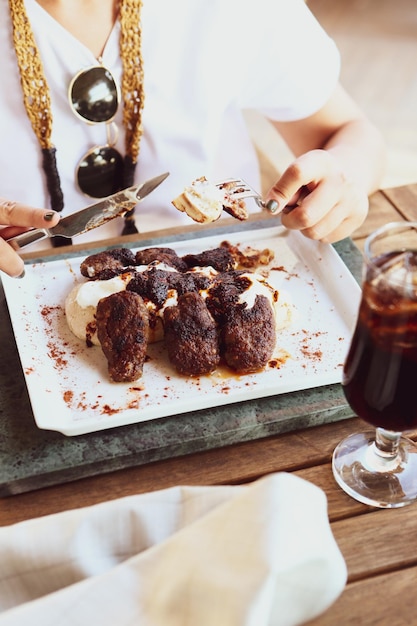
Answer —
387 443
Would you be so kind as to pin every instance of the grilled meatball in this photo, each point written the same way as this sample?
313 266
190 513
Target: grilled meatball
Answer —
163 255
191 336
106 264
248 336
122 329
219 258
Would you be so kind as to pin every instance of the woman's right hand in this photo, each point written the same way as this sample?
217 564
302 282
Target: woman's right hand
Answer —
16 218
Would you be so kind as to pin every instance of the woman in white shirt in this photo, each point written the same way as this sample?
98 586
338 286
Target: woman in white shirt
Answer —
197 65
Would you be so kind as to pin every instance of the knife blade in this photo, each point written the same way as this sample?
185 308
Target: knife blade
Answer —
92 216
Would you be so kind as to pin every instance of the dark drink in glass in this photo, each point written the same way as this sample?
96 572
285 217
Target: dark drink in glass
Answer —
380 374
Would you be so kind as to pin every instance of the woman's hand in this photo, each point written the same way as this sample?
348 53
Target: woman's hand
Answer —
16 218
317 198
340 160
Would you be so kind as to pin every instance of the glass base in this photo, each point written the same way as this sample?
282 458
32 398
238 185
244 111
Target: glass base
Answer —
375 479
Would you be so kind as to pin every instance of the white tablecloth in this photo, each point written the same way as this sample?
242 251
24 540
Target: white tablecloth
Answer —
252 555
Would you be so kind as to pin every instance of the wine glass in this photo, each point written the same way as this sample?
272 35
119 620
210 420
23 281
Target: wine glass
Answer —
380 374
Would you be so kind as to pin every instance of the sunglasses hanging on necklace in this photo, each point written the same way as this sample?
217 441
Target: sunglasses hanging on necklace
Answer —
94 97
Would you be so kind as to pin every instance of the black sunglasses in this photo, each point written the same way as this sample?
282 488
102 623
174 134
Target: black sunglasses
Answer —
94 97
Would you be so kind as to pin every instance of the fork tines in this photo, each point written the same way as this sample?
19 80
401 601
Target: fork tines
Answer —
237 187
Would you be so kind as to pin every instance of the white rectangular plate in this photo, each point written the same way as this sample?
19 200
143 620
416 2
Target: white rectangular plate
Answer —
68 383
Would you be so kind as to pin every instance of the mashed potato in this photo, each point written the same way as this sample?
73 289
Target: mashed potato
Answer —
81 304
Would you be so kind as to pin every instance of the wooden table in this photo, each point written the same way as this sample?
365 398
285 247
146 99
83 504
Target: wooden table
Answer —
379 546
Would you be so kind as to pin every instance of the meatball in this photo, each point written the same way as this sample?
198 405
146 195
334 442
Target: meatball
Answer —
249 336
123 329
219 258
191 336
163 255
106 264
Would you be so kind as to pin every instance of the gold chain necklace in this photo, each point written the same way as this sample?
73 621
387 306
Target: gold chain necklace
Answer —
37 100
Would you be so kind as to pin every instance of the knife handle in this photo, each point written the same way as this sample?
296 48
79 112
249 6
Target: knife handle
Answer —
31 236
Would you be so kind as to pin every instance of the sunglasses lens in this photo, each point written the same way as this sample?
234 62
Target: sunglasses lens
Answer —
100 172
94 95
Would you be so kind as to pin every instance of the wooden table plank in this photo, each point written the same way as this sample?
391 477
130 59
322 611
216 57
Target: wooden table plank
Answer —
386 600
404 199
378 542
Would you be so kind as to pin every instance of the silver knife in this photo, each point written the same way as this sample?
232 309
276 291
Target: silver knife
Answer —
92 216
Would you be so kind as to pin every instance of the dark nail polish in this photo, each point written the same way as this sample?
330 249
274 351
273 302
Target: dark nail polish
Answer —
48 216
22 274
272 206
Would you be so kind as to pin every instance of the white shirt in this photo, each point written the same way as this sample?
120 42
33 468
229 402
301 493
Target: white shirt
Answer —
203 63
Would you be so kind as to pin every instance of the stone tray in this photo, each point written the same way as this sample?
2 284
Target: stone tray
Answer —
32 458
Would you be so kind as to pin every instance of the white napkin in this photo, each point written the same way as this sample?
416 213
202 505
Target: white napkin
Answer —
252 555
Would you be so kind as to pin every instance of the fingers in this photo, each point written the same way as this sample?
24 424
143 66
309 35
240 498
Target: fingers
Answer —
10 261
15 217
301 176
16 214
338 229
315 198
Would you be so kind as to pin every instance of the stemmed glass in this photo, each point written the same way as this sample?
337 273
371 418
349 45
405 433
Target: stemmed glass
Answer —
380 374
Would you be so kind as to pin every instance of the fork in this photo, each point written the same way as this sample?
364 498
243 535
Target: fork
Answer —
238 189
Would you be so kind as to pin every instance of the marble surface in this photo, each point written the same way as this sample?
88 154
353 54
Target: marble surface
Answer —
31 458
